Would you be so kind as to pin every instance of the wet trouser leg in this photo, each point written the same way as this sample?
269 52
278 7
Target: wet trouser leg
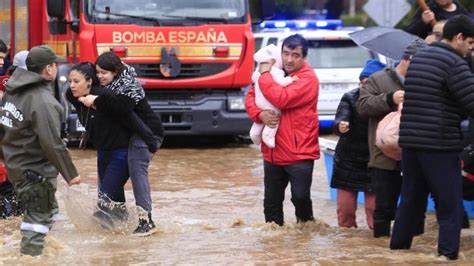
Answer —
440 170
369 204
414 193
387 190
113 173
346 208
276 180
301 177
138 161
38 200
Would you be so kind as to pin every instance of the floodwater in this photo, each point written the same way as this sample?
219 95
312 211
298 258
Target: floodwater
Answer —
208 208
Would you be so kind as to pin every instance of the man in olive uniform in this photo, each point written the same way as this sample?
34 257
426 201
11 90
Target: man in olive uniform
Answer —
32 147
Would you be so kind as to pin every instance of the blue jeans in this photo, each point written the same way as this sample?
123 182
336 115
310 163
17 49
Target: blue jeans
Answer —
300 176
138 161
113 173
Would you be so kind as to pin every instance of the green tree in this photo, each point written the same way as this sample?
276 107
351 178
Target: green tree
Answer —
469 4
254 10
290 9
284 9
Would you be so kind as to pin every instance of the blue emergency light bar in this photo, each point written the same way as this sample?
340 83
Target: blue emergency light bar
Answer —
301 24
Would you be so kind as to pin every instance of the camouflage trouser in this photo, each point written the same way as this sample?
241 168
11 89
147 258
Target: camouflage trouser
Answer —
40 204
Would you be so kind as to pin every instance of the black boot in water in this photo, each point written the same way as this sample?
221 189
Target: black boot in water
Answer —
465 221
381 229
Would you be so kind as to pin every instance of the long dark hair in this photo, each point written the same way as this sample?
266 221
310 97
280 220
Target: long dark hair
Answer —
110 62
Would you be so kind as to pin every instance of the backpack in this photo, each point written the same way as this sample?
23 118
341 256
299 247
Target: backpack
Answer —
387 133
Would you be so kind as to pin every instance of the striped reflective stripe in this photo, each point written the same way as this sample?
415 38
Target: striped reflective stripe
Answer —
38 228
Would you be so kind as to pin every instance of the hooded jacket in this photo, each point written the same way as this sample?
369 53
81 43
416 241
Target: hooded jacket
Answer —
31 128
106 132
297 135
352 150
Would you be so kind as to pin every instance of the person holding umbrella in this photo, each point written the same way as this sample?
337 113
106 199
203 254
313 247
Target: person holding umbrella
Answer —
382 94
439 88
436 33
427 14
389 42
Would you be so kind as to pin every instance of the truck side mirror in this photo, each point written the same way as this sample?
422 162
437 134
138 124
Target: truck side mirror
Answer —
74 25
267 9
56 8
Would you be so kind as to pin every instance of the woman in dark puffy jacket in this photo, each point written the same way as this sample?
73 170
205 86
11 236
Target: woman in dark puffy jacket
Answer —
350 175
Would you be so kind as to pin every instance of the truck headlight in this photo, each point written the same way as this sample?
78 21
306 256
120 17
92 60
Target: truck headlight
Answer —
236 103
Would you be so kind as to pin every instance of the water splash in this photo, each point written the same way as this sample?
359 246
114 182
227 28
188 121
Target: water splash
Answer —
88 213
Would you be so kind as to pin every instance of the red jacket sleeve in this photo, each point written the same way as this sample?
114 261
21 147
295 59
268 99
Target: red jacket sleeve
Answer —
299 93
252 109
3 81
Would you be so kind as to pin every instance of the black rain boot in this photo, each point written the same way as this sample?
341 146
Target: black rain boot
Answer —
420 229
300 220
381 228
406 245
465 221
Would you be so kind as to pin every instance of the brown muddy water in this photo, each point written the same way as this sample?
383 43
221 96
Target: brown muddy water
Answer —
207 205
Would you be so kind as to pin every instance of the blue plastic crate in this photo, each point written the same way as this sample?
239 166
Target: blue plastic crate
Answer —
328 161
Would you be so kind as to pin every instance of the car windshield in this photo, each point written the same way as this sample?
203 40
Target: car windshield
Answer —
337 54
166 12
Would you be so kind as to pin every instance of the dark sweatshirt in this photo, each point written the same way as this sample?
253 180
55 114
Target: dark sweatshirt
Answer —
105 131
141 118
130 102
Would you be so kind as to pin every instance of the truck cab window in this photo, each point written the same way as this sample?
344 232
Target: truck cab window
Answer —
176 12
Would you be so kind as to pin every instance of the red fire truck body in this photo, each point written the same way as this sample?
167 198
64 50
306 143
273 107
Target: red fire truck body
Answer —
194 58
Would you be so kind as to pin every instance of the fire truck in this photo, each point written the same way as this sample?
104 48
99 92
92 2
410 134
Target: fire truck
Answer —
194 58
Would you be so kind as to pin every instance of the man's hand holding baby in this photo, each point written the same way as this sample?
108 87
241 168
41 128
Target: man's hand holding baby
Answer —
266 66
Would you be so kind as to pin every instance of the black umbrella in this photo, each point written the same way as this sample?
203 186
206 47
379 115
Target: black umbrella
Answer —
386 41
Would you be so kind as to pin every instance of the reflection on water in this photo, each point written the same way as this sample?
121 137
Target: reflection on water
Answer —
208 209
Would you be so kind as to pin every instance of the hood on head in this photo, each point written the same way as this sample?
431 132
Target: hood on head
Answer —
21 79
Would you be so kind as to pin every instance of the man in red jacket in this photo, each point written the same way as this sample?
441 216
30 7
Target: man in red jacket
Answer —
296 141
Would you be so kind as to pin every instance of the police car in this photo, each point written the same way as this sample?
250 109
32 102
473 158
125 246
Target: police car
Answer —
336 59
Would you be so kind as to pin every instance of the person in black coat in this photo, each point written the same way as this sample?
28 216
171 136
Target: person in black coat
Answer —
350 174
420 23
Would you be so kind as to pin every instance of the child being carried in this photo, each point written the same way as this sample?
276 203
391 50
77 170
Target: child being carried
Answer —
268 54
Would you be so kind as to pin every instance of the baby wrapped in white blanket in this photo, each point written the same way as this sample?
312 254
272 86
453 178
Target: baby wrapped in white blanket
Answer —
260 132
